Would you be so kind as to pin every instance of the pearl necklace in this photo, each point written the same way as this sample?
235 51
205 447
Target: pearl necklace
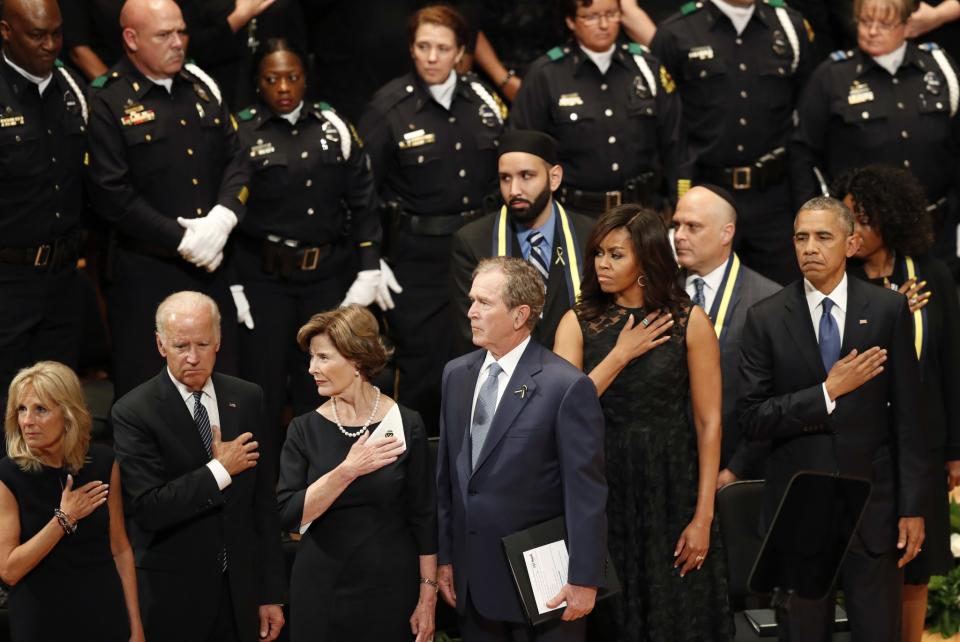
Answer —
363 429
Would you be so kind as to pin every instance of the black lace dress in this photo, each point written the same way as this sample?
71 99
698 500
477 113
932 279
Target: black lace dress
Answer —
652 473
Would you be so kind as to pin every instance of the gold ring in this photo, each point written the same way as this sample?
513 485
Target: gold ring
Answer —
700 558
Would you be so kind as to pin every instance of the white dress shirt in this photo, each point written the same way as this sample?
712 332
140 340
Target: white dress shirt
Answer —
294 115
839 312
739 16
711 285
601 59
508 363
166 83
209 401
41 83
443 93
892 61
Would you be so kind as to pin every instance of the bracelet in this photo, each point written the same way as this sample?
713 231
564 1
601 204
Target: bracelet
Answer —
433 583
510 74
69 526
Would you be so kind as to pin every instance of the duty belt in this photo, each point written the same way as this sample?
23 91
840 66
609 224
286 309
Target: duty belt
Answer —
285 256
441 225
636 190
769 170
52 257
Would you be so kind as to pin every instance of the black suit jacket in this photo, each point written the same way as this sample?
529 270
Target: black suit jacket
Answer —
474 242
744 458
875 432
178 519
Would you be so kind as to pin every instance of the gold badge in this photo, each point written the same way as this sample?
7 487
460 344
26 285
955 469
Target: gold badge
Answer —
668 85
860 93
570 100
11 121
700 53
809 28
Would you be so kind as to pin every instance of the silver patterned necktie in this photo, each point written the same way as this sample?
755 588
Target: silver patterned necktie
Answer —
483 412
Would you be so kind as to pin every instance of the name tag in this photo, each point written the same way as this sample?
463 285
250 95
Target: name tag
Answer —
11 121
700 53
417 141
262 150
570 100
138 118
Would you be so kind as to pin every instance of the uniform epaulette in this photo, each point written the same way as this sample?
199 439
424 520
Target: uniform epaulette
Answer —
555 54
101 81
840 55
929 47
691 7
776 4
247 114
636 49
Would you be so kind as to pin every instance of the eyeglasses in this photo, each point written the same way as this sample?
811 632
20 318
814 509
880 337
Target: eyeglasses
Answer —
867 25
593 19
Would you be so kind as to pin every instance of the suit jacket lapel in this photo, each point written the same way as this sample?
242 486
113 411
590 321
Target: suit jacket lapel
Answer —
464 391
800 328
857 308
227 407
178 419
512 403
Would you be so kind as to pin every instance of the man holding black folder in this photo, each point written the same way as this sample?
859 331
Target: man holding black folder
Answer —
830 376
521 442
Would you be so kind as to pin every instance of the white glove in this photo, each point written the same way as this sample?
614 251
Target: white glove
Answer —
388 282
243 306
364 288
209 235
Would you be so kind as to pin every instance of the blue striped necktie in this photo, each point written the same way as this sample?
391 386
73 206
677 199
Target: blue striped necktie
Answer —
202 419
537 258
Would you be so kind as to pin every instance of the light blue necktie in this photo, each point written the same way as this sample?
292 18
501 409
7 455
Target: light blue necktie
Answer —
483 413
829 336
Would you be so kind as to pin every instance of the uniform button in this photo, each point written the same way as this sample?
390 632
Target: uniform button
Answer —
615 167
199 212
53 159
865 115
57 214
189 152
781 71
266 161
608 112
409 89
743 121
603 87
304 154
739 148
939 105
743 66
743 93
452 119
573 116
194 181
17 138
183 122
419 159
904 134
462 173
906 164
50 132
896 81
148 138
309 211
703 73
56 187
612 140
457 146
259 141
294 132
309 182
216 121
899 105
466 200
739 41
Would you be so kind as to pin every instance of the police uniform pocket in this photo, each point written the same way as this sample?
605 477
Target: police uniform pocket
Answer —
17 145
148 147
641 108
705 78
569 115
418 156
776 82
867 121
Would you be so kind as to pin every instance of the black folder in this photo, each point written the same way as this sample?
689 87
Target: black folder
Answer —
547 532
810 534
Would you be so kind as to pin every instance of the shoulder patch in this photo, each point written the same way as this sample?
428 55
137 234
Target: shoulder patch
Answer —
691 7
776 4
247 114
637 49
929 46
555 54
810 34
839 55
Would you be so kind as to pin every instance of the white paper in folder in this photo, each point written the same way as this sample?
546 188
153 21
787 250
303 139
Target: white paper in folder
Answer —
547 569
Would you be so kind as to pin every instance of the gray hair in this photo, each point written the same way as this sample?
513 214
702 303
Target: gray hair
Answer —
523 287
830 204
186 300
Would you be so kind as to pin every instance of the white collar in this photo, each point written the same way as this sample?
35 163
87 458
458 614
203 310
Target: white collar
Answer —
713 278
508 362
166 83
443 93
186 393
41 83
815 297
739 16
293 116
892 61
601 59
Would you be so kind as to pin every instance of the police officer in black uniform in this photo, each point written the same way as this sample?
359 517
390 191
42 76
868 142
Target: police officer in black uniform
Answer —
740 66
617 124
889 101
296 253
167 171
432 138
43 118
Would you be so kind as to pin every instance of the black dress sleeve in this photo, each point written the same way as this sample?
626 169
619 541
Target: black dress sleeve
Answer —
420 493
292 485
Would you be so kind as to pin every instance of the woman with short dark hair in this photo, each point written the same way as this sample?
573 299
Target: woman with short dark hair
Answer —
365 503
655 360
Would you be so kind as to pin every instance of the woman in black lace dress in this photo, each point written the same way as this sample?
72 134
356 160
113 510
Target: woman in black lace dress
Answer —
655 360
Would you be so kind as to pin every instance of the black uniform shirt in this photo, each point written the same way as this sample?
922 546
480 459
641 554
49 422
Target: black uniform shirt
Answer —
854 113
302 184
611 126
157 155
738 92
42 144
430 160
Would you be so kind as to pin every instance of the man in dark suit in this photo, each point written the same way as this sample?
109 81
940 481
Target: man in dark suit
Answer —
521 442
704 225
830 376
202 514
529 175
